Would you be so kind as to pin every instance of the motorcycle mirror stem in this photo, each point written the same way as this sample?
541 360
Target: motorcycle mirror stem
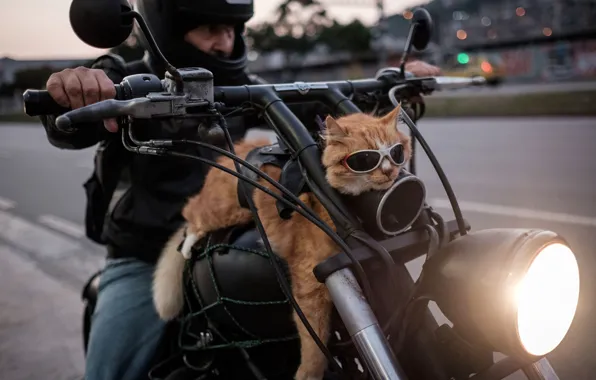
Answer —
419 36
108 23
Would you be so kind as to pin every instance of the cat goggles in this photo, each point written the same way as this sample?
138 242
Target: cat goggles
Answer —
367 160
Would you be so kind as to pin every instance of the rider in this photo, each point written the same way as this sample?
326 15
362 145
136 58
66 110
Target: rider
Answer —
126 330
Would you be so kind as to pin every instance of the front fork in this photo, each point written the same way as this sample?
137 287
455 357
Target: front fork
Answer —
541 370
362 325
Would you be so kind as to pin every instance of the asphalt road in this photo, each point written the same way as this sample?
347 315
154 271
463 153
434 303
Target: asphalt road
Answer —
506 173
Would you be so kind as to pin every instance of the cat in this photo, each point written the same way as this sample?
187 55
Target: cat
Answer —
298 241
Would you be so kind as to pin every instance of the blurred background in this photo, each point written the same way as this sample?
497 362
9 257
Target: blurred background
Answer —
519 152
507 41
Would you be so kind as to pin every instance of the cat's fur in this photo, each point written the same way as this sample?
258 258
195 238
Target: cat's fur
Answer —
297 240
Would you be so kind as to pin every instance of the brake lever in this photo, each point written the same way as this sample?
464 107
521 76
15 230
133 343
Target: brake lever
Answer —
154 105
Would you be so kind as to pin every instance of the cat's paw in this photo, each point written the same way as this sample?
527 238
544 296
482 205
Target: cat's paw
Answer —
189 241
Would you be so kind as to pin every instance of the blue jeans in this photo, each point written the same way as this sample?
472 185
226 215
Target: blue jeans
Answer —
126 329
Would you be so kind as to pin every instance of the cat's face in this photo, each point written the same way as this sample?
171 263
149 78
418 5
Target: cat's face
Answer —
352 133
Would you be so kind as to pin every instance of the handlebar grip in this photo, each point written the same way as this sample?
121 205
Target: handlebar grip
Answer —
40 102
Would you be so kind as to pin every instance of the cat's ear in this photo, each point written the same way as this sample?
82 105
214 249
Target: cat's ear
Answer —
392 117
333 131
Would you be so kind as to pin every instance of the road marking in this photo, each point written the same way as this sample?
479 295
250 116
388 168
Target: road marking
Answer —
62 225
36 239
516 212
6 204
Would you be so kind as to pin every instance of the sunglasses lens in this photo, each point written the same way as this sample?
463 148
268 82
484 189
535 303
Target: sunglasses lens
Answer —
397 154
363 161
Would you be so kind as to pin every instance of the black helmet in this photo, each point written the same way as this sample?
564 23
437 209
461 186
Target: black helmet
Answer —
170 20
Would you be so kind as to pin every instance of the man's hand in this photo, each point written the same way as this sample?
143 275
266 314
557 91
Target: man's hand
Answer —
75 88
422 69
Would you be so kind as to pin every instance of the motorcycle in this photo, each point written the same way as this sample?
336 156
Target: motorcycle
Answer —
491 284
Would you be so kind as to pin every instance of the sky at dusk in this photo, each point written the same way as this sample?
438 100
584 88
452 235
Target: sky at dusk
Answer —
39 29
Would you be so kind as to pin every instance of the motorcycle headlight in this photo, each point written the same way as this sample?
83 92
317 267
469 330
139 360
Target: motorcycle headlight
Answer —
515 290
547 298
392 211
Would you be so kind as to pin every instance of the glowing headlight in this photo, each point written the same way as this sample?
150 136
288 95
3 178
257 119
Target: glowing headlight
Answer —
547 297
514 290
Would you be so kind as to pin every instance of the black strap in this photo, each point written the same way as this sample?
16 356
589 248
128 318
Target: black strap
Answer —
293 180
258 157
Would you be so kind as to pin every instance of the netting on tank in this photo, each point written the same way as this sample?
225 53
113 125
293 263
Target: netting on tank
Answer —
196 308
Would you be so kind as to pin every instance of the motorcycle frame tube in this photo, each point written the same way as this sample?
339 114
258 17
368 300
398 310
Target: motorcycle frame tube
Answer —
362 326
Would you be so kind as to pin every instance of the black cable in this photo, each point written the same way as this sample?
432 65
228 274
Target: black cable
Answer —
433 242
359 270
317 222
279 271
414 307
332 234
156 50
435 163
443 234
276 196
283 283
260 173
253 169
360 274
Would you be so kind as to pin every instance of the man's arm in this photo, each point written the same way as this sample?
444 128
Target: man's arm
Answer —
85 134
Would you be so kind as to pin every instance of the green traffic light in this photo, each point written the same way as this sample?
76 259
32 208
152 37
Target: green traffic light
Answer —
463 58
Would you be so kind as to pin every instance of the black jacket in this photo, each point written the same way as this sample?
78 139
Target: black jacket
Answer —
154 189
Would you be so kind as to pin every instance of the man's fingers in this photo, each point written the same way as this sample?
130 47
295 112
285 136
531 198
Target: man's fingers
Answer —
74 89
106 86
55 87
90 87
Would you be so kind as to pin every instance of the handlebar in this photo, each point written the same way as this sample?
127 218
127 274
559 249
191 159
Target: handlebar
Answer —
145 96
39 102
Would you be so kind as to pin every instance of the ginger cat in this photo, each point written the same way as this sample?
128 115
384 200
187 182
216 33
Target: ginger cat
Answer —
298 241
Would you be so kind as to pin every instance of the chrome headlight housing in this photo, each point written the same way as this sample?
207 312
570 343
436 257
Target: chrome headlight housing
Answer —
514 290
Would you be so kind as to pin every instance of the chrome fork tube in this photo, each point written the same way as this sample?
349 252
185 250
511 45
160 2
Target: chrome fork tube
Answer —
540 370
362 326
